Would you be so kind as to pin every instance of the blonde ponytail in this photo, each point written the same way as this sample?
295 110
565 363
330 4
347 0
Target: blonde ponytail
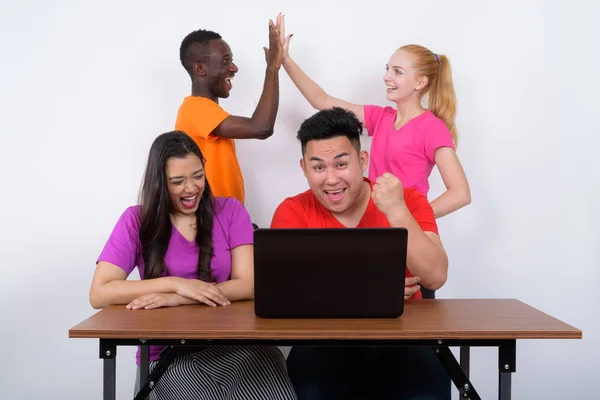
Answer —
442 98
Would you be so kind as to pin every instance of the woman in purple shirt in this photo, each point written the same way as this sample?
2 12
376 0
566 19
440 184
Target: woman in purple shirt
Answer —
189 248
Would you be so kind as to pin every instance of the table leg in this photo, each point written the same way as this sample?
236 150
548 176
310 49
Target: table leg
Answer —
456 373
108 353
505 386
506 366
110 385
144 364
465 359
166 358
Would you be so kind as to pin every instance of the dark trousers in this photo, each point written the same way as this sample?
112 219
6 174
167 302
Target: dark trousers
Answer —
427 294
331 373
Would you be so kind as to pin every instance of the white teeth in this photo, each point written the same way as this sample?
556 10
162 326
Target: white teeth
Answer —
189 198
391 88
335 192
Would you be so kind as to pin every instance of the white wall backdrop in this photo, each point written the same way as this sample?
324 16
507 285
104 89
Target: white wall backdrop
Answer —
85 87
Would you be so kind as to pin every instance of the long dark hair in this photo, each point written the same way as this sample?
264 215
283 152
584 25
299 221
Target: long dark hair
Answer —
155 231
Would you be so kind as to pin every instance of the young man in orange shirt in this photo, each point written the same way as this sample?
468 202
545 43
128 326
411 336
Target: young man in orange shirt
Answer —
340 197
209 61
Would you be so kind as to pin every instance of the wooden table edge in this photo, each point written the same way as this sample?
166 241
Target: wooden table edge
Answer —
282 335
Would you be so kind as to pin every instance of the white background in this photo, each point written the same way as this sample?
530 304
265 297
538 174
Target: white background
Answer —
85 87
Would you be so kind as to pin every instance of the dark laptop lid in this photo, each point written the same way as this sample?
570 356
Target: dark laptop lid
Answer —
329 272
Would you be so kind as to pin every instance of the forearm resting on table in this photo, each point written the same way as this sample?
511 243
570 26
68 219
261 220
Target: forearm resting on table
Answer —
103 294
237 289
233 290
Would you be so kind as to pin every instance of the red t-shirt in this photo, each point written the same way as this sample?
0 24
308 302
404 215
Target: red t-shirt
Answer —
305 211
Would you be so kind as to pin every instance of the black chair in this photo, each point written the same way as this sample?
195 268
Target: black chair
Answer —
427 294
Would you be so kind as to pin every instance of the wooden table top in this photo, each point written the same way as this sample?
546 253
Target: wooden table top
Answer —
422 319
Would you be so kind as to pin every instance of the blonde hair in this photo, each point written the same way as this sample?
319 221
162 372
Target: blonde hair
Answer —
442 98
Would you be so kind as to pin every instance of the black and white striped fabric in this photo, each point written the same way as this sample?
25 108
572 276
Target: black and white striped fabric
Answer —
225 373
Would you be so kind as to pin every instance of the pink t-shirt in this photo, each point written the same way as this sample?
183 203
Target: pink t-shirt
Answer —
407 152
231 228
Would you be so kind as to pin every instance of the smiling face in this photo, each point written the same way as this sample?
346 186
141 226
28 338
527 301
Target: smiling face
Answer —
401 78
334 171
185 183
219 68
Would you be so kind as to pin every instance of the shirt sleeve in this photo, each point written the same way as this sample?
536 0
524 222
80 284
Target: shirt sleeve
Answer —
421 210
435 136
201 117
241 231
123 245
372 116
289 214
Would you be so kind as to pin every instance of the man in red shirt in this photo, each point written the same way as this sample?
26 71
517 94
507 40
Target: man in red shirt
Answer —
339 196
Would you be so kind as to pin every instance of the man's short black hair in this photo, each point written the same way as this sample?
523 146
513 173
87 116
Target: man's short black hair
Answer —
195 49
330 123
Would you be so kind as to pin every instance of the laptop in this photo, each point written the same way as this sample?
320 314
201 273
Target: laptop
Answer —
329 273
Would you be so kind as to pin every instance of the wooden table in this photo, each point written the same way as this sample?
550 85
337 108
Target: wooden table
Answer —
438 324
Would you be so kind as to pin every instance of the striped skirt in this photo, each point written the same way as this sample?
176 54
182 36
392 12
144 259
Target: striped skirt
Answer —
225 373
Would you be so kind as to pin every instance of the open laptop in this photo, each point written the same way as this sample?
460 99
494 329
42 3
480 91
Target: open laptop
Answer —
329 273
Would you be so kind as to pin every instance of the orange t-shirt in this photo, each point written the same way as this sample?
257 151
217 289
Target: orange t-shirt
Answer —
198 117
305 211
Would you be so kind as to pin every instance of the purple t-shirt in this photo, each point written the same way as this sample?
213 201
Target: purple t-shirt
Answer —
408 152
231 228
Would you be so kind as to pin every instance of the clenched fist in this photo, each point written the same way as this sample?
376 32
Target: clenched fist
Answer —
388 195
